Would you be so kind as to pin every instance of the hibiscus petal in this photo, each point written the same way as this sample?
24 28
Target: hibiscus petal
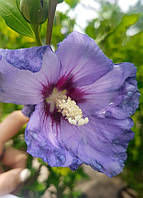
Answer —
26 58
28 110
102 143
115 94
83 59
41 138
22 74
50 67
114 79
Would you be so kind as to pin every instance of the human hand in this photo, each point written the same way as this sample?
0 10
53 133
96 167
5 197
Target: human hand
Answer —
11 157
1 148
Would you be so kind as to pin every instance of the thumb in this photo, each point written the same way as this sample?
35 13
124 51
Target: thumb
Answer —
10 180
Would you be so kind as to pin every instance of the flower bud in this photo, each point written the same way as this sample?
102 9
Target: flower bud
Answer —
34 11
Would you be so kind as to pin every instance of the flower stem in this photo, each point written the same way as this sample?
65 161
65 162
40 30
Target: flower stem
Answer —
36 30
51 15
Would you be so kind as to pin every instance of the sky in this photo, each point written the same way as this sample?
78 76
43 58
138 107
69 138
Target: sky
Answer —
86 11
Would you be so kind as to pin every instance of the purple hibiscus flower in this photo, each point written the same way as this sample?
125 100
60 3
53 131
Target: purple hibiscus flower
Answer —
81 102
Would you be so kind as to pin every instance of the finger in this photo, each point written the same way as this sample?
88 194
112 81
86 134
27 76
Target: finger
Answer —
1 170
8 196
1 150
10 180
11 125
14 158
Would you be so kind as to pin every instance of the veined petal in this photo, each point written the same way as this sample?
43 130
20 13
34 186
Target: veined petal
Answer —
82 58
114 79
41 138
97 102
115 94
50 66
22 74
102 143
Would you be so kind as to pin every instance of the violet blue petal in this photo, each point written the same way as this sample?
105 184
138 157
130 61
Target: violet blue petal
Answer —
28 110
81 58
41 138
115 94
51 67
22 86
114 79
102 143
26 58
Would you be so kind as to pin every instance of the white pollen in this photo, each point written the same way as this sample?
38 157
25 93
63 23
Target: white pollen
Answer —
78 117
81 122
72 121
86 120
71 111
67 107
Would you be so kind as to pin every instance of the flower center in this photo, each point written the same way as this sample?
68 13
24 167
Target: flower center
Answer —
67 107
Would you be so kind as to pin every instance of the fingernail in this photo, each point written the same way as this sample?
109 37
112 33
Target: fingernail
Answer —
24 175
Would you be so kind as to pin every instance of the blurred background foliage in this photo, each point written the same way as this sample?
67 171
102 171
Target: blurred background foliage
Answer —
120 35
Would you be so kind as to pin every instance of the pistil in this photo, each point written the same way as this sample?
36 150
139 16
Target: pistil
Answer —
67 107
70 110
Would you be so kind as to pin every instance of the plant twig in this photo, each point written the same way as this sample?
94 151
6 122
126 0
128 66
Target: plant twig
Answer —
51 15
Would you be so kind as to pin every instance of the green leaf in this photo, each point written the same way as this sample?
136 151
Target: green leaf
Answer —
72 3
13 17
117 38
127 21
